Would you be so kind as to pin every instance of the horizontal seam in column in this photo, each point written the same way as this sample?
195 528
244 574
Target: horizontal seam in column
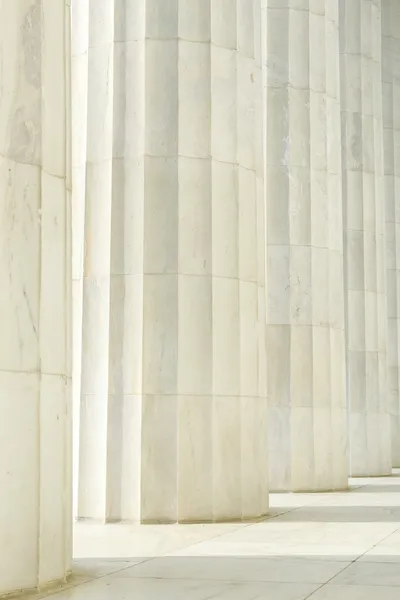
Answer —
358 54
175 394
377 351
310 168
289 244
363 230
178 155
163 39
62 177
177 274
105 160
308 325
282 8
288 84
363 291
39 167
171 39
20 162
103 45
85 52
363 170
35 372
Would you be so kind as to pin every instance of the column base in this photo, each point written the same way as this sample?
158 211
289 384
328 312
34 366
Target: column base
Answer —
206 521
370 475
312 491
49 588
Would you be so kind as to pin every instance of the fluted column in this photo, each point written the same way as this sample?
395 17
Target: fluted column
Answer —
79 103
305 320
35 275
96 120
391 147
364 225
173 414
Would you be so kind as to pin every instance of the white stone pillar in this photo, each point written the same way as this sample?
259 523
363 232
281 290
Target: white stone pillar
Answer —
35 275
364 225
97 36
181 406
79 103
305 317
391 146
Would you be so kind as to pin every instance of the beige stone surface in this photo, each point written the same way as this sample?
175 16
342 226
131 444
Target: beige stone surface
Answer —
212 187
35 296
391 137
305 318
172 409
364 234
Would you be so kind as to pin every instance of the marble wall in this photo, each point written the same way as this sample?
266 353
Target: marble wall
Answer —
35 294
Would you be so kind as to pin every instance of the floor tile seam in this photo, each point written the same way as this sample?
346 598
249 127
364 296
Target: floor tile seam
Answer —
170 554
240 528
222 534
331 579
71 585
285 512
369 585
340 572
224 581
380 562
216 595
347 567
377 544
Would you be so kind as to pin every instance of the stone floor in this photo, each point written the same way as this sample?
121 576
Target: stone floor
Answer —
322 546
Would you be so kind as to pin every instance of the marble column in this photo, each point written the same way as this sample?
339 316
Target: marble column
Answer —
93 138
35 275
173 420
391 148
364 231
305 316
79 104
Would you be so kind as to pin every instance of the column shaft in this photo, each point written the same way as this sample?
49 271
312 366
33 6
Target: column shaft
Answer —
178 424
364 229
98 147
79 103
391 140
35 275
305 321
